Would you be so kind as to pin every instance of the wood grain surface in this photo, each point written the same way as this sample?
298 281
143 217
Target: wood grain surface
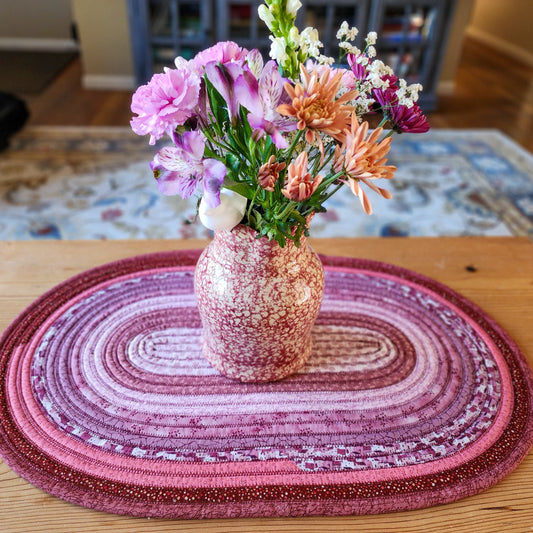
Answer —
494 273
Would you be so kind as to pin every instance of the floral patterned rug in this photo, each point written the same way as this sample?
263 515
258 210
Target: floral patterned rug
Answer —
95 183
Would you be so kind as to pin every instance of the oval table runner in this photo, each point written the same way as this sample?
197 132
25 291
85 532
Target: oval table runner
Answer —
412 397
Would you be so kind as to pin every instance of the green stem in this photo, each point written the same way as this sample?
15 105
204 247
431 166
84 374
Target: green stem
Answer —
322 200
252 202
333 192
384 121
295 141
328 158
214 141
286 212
328 181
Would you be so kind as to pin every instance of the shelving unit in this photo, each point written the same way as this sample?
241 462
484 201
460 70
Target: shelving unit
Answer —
327 17
411 33
411 39
164 29
238 21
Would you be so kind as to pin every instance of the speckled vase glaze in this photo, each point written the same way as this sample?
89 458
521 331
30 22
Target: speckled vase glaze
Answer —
258 303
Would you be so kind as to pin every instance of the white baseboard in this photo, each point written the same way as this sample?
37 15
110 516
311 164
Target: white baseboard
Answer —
38 45
108 82
501 45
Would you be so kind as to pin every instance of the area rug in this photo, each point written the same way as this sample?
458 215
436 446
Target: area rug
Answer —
95 183
412 397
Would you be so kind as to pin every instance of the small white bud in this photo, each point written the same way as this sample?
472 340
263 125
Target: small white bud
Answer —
294 36
265 15
343 30
352 33
293 6
277 49
371 37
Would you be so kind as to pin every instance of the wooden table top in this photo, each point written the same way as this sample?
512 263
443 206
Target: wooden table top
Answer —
496 273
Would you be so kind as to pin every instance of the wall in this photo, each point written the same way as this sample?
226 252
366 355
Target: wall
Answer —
35 24
103 30
454 46
506 26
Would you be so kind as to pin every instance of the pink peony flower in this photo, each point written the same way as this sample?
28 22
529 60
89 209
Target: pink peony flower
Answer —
167 101
223 52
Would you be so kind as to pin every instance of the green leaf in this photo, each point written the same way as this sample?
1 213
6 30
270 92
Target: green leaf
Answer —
233 162
268 149
218 105
298 216
240 188
247 129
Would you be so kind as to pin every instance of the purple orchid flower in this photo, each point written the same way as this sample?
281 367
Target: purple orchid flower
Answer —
239 86
236 85
264 119
180 169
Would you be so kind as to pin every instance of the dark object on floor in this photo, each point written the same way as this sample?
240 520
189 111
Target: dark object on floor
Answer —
25 72
13 115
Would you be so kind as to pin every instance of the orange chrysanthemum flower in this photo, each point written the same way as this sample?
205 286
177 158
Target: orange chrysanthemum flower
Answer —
300 185
269 173
363 160
315 107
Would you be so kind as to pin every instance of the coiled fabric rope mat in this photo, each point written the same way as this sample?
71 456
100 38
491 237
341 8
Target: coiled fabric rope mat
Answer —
412 397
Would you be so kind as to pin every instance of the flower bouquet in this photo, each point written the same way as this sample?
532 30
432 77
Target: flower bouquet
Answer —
264 145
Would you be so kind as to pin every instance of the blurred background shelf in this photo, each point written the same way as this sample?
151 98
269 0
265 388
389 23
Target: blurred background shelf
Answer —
412 34
164 29
412 37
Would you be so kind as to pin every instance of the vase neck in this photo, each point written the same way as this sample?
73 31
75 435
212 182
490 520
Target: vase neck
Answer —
243 240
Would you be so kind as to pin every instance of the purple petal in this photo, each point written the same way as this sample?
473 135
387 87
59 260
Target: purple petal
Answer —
271 85
222 77
214 174
193 142
246 90
259 124
171 183
170 158
222 52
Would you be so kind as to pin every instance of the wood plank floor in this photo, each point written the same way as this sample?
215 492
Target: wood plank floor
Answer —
492 91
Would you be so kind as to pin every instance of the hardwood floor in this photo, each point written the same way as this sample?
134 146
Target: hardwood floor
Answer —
492 91
65 102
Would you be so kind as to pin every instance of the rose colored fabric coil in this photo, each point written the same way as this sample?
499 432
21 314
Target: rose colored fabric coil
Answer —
412 397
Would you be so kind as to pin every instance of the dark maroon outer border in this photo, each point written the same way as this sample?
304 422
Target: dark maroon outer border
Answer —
265 501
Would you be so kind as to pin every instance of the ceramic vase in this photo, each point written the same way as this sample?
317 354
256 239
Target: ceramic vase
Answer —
258 303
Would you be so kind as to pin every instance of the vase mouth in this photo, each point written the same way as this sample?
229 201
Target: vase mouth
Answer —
245 232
